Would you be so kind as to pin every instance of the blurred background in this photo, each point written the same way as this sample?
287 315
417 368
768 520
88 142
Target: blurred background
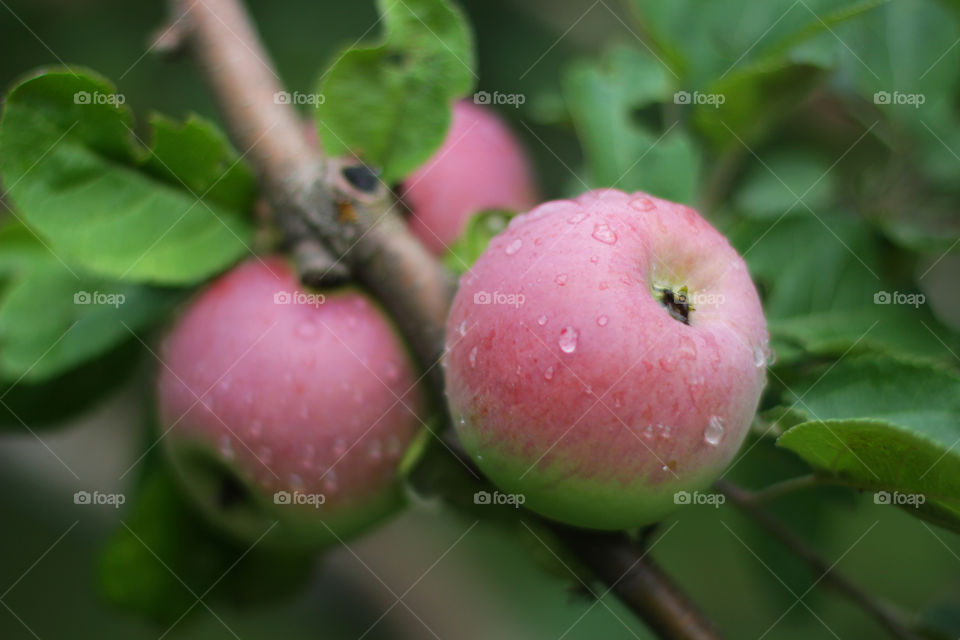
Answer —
431 572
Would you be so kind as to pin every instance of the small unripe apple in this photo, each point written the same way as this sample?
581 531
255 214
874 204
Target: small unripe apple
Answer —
604 354
284 405
480 166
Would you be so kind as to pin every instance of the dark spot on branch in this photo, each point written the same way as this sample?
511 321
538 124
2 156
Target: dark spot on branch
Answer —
362 177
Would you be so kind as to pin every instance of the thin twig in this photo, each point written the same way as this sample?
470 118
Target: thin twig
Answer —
888 617
785 487
360 229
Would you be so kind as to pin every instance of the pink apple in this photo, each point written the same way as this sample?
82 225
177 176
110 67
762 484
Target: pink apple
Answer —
579 377
480 166
267 388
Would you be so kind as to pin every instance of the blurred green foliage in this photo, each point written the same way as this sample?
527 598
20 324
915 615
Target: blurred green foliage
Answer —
821 136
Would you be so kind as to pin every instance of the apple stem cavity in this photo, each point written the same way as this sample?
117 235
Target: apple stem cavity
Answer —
677 304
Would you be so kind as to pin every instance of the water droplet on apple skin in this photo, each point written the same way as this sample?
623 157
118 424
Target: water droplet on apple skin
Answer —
713 434
603 233
643 204
569 337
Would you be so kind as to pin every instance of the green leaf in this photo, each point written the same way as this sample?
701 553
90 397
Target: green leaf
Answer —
54 318
751 101
163 553
481 228
620 151
69 160
51 321
905 49
390 103
19 248
731 36
750 62
813 262
785 71
198 156
893 329
773 190
885 425
824 294
26 405
929 226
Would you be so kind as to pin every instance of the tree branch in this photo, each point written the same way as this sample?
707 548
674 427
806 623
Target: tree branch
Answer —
308 191
785 487
311 196
882 612
628 570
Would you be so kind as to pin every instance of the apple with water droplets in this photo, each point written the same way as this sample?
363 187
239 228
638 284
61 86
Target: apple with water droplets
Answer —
281 404
604 354
480 166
